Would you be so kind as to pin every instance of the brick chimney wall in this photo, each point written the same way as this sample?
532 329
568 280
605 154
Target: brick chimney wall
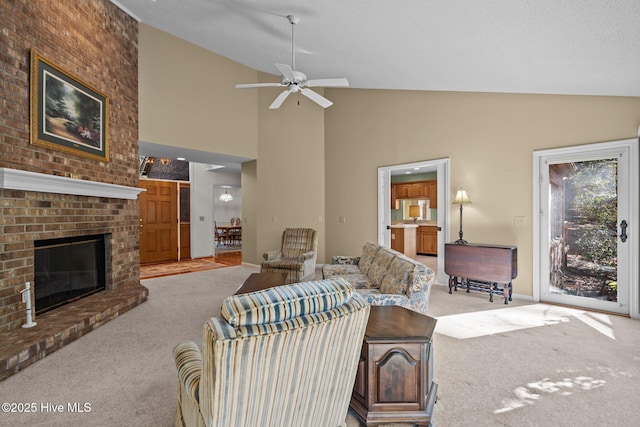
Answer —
98 43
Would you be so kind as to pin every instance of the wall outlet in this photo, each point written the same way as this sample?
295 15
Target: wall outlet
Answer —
320 219
519 221
342 219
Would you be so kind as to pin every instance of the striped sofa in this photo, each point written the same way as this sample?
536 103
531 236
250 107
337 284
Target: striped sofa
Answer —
384 277
284 356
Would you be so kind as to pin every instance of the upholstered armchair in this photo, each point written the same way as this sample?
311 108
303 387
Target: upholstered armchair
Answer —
297 256
284 356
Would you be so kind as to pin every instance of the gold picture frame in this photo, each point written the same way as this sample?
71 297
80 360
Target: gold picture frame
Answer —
67 114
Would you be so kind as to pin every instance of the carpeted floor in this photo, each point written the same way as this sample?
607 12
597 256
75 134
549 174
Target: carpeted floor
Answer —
520 364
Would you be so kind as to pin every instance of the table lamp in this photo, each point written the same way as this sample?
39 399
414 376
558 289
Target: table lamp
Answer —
414 212
461 199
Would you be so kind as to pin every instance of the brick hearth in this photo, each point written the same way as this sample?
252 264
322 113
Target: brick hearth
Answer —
59 327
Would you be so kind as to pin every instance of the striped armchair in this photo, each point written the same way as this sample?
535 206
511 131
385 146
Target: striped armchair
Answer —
297 256
285 356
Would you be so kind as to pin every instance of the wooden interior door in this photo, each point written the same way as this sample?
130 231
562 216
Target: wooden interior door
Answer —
158 221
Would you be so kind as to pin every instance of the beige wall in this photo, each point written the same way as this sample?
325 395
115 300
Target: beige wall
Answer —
291 168
489 139
316 163
249 179
188 98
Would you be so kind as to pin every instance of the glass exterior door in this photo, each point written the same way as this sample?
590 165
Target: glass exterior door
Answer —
584 220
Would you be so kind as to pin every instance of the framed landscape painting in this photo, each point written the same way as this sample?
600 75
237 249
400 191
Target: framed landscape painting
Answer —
66 113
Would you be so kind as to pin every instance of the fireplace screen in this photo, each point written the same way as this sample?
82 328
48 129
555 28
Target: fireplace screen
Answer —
68 269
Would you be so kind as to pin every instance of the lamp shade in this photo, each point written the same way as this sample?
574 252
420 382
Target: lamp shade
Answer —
461 198
414 211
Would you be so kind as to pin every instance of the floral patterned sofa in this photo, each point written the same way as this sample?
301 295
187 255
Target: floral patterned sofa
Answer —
384 277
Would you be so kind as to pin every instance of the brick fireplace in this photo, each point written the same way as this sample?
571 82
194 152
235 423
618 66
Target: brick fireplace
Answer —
36 208
50 194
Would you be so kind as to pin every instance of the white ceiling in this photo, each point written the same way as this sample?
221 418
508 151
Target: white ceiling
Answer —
575 47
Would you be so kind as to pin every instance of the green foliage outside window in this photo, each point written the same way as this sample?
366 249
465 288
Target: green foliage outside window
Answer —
595 207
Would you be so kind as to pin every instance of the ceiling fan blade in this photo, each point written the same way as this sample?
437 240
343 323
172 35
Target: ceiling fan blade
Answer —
279 100
316 97
338 82
286 71
250 85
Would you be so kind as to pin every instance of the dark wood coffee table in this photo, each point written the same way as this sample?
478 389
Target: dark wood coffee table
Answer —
260 281
394 382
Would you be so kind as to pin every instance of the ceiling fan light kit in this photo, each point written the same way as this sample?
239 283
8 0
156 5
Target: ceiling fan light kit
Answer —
296 81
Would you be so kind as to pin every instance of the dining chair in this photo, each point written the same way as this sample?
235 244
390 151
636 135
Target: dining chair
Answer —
221 235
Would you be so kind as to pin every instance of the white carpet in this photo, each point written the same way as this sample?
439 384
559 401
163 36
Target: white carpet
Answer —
520 365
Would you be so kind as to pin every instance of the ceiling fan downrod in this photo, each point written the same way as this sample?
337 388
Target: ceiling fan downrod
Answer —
293 20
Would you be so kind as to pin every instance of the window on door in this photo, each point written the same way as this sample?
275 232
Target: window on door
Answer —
583 212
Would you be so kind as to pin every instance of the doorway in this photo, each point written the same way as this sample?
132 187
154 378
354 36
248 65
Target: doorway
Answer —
165 226
227 215
441 167
585 249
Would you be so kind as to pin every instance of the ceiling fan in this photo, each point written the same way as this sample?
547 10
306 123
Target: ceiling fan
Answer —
296 81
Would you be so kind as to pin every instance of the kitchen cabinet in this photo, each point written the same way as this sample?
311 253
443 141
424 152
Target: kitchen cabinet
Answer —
403 239
433 194
395 201
419 190
415 190
427 240
403 191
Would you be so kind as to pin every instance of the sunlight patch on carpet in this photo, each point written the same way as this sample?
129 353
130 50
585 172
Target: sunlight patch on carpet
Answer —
528 395
490 322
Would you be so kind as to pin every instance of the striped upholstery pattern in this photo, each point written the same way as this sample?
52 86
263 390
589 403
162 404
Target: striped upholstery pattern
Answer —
296 257
285 302
298 370
296 241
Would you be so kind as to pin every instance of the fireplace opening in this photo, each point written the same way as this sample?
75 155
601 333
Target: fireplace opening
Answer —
68 269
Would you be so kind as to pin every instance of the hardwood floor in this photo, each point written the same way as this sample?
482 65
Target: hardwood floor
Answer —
229 258
148 271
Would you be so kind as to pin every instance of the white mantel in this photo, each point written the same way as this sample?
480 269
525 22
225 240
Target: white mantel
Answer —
15 179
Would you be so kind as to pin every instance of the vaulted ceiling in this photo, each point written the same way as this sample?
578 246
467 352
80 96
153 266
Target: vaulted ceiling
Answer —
575 47
579 47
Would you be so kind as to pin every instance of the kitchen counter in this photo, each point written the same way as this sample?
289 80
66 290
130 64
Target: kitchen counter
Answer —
403 239
412 238
418 223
